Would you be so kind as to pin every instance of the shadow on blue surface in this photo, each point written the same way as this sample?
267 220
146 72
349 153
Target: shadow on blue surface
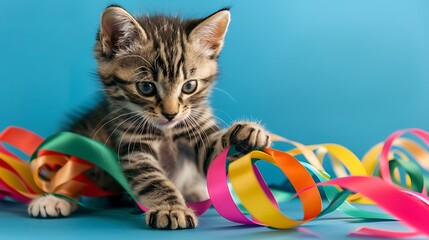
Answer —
114 224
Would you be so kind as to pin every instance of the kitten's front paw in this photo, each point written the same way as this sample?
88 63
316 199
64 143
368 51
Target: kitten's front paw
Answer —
246 136
171 217
50 206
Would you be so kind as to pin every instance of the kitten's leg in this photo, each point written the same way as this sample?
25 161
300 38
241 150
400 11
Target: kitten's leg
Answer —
191 182
244 135
196 191
156 192
50 206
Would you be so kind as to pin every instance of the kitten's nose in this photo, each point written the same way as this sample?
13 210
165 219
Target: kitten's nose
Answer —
169 116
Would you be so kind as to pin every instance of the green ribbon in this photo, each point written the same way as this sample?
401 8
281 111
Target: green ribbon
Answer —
89 150
412 170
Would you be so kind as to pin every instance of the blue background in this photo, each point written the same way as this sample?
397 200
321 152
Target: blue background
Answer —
349 72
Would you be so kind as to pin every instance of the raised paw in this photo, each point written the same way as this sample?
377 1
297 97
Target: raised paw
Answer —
246 136
171 217
50 206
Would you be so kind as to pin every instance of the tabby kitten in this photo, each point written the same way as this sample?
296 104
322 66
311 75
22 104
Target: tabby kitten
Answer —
157 74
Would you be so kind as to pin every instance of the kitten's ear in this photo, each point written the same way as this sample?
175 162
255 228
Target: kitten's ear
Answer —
208 36
119 30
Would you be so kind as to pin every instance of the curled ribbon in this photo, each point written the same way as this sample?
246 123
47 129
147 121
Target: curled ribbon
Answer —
50 172
58 165
15 175
254 194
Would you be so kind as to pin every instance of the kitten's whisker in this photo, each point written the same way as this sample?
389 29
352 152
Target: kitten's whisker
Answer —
211 115
187 128
111 120
137 132
124 121
227 114
202 140
201 127
142 127
98 124
134 142
126 132
226 93
201 119
196 125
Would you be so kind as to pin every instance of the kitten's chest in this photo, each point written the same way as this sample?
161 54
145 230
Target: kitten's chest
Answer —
173 154
167 153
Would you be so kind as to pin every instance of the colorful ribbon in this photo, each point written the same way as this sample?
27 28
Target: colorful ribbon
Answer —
58 163
16 179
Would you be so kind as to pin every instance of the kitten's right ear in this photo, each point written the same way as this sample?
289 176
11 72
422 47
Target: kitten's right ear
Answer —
119 30
208 36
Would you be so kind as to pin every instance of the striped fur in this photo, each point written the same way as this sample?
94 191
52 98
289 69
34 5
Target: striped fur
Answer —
165 138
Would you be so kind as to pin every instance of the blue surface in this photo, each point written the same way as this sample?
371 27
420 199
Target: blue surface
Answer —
349 72
116 225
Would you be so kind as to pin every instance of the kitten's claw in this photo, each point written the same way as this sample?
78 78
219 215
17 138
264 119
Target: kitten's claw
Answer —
171 217
246 136
50 206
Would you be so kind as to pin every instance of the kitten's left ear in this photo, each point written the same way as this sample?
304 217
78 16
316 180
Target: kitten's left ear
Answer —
208 36
119 30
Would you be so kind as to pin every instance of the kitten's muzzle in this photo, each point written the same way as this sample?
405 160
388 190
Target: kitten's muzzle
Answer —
169 116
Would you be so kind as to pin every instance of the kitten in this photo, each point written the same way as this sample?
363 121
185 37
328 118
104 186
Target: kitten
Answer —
157 74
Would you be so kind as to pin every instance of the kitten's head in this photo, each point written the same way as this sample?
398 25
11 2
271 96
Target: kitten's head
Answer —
161 67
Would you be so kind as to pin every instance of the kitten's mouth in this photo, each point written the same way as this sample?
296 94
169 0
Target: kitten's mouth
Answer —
168 123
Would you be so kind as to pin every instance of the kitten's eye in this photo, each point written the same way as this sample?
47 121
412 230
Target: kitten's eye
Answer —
189 86
146 88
